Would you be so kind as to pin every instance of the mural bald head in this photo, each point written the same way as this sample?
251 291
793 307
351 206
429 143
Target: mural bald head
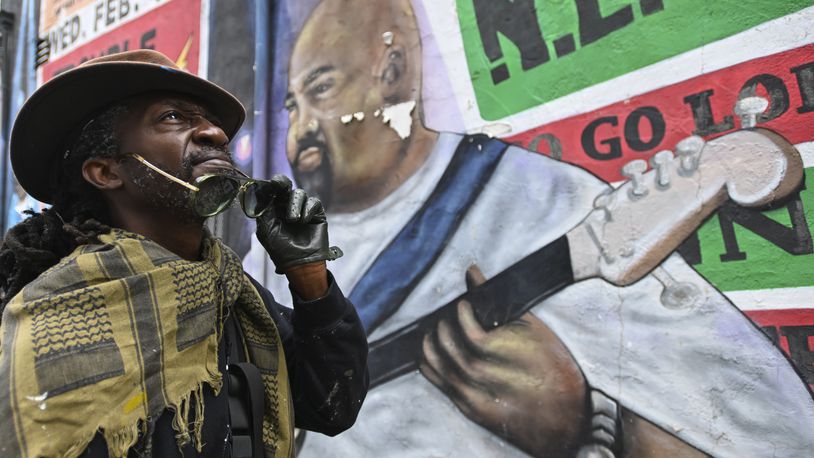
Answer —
343 64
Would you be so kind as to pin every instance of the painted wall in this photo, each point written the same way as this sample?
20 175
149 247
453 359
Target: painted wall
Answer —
580 329
376 107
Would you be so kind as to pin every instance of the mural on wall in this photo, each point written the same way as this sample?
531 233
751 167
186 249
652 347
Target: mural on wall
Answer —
570 227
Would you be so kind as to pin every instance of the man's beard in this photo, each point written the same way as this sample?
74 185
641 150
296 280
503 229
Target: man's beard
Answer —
318 182
164 195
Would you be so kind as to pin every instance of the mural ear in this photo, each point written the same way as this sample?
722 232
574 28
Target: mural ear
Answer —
391 71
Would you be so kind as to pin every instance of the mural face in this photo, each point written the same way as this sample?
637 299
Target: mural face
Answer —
570 227
332 150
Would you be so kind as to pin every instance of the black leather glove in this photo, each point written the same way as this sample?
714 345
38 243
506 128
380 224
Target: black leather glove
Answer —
293 230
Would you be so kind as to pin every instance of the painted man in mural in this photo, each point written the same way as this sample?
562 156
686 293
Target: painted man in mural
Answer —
685 376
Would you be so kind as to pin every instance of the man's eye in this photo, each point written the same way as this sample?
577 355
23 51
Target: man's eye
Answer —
322 87
290 105
171 116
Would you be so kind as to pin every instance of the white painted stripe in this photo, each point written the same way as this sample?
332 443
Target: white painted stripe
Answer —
772 37
807 153
203 43
773 299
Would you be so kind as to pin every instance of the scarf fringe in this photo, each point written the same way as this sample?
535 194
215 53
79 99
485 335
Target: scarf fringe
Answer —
119 442
197 426
187 431
180 422
215 380
79 446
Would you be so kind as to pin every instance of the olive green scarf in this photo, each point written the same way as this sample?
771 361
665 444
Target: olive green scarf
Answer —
118 332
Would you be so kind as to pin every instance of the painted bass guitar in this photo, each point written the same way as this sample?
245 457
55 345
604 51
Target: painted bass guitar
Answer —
630 231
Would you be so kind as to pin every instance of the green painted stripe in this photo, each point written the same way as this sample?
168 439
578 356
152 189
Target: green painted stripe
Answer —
671 27
766 265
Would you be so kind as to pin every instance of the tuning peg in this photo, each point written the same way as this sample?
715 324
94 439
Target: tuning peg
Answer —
627 250
661 162
748 109
603 202
689 151
634 170
676 294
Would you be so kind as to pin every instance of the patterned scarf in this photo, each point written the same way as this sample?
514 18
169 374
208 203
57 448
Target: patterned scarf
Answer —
118 332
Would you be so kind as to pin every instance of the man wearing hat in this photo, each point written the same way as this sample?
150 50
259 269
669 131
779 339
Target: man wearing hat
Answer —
127 329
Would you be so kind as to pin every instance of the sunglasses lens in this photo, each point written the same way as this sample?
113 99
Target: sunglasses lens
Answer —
257 198
215 194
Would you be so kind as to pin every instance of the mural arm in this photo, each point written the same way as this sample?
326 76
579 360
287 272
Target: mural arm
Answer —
520 382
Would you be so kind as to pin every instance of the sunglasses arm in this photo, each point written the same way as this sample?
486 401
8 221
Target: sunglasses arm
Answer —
165 174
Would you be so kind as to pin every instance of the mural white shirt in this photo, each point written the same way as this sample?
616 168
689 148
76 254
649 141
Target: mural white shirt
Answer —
704 373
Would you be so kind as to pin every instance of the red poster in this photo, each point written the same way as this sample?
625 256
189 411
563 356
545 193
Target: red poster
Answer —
603 140
172 27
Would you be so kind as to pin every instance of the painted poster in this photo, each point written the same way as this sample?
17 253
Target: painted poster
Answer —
78 31
571 227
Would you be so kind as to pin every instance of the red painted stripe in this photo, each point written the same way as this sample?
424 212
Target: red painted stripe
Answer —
726 84
794 331
782 317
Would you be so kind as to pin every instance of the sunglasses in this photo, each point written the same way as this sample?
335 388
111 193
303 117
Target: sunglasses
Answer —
214 192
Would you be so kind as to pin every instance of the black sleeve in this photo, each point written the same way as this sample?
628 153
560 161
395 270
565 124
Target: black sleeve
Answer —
326 355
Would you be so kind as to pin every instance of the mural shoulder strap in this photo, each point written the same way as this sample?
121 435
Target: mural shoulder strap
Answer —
404 262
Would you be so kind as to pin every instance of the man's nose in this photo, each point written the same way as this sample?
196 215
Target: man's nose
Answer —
306 123
207 133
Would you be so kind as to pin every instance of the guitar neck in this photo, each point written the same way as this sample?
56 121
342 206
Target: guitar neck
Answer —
517 289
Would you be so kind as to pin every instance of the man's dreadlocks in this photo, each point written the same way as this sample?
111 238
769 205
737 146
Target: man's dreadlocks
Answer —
78 216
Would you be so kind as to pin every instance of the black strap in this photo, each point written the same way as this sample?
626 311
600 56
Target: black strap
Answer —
251 392
404 262
503 298
245 391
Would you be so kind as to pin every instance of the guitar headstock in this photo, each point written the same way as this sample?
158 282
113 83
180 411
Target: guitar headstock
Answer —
636 226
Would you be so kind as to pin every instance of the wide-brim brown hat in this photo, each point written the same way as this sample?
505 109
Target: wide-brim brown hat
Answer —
50 120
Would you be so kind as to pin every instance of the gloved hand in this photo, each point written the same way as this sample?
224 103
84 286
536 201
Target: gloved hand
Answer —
293 230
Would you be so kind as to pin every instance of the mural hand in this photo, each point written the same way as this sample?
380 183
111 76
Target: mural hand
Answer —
518 381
